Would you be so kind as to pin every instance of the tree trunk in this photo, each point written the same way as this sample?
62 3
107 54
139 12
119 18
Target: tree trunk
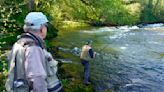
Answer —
31 5
156 5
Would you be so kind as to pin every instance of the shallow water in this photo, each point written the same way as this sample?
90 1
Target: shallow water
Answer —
128 59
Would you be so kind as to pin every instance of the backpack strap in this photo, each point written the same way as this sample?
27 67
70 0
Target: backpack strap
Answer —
37 41
15 74
16 81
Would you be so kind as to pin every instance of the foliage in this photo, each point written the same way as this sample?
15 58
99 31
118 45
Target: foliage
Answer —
12 14
152 11
11 19
108 12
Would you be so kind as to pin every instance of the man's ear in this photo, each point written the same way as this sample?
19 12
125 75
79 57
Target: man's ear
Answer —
41 30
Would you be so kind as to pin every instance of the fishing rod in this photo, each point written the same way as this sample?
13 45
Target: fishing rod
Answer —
104 47
100 50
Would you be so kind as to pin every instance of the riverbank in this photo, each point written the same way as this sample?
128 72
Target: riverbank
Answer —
71 74
70 70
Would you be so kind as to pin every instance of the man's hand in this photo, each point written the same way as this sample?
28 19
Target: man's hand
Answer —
94 54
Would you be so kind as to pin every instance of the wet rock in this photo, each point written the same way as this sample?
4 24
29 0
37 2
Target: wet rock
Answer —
64 60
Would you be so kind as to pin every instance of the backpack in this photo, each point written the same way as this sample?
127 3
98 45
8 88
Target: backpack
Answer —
53 83
16 81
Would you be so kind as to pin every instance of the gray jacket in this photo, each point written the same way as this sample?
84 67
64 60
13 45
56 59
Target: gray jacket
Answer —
32 65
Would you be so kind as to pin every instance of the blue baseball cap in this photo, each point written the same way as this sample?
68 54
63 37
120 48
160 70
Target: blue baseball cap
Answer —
35 19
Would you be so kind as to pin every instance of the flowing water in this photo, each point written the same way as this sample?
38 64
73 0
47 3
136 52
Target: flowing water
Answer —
129 59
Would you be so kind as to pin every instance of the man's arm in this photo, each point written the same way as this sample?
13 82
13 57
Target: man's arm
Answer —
91 53
34 68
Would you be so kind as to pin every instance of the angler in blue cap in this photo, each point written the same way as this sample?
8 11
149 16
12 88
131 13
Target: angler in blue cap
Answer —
32 68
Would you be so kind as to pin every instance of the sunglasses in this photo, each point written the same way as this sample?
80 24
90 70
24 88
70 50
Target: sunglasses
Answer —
45 24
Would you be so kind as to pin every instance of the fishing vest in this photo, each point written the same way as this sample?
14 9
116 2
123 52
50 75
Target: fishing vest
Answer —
16 81
85 53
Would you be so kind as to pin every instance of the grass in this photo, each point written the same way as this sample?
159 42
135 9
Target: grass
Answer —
71 75
71 25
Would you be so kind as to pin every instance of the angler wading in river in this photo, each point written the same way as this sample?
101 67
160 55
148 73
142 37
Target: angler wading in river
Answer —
86 55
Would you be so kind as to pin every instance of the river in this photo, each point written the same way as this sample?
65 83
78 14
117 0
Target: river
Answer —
129 59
